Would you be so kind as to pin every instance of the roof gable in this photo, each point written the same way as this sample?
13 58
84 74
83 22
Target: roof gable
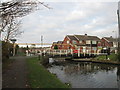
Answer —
110 39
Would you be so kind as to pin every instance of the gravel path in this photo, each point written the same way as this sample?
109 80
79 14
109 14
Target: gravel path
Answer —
16 75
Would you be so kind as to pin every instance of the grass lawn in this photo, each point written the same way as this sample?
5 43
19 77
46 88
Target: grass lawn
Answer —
112 57
39 77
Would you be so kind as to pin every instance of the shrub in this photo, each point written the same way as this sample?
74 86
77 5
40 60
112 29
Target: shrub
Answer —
6 50
44 60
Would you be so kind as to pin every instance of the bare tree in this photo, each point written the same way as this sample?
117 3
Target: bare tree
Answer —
11 10
17 8
13 30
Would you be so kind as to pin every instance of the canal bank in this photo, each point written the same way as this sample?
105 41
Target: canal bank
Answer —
78 74
104 59
94 61
40 77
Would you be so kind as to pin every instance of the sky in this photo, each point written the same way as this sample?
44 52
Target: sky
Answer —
69 18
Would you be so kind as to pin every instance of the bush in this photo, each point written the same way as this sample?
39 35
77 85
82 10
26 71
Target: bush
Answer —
6 50
44 60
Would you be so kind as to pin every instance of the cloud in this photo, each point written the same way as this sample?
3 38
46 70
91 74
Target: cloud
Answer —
70 18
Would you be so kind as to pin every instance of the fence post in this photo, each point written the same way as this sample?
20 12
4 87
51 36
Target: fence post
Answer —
66 52
72 52
60 53
53 52
78 52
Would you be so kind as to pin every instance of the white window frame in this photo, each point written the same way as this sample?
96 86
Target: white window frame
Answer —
88 42
94 42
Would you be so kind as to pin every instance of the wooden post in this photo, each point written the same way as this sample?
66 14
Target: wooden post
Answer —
71 52
60 53
53 52
66 52
78 52
44 52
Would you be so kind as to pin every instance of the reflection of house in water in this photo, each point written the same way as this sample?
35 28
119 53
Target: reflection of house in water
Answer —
82 68
87 68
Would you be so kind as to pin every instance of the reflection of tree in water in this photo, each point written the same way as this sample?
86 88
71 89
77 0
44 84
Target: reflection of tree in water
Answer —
87 68
118 76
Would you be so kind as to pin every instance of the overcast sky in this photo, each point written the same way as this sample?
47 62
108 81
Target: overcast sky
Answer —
69 18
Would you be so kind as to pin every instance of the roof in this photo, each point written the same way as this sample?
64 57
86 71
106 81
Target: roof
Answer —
86 37
71 37
54 42
59 42
110 39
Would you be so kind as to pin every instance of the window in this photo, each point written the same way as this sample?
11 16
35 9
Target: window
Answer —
84 49
94 42
68 42
88 42
74 42
94 48
80 41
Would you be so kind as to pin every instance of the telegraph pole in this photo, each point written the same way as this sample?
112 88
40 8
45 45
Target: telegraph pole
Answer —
118 29
41 41
0 59
41 45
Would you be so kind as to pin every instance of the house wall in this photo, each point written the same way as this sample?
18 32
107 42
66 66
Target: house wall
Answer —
106 43
69 45
52 47
65 45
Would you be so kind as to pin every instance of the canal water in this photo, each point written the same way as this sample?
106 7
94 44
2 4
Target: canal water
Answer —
87 75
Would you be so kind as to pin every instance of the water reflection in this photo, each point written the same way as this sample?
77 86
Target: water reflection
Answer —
118 77
88 75
86 68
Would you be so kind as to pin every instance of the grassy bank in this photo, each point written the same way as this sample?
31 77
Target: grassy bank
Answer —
112 57
39 77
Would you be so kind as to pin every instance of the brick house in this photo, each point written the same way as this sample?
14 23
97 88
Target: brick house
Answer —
69 41
88 44
109 42
85 43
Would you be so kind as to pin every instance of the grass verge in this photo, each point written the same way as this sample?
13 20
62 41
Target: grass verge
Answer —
40 77
112 57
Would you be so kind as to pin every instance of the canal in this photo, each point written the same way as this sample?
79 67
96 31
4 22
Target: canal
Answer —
87 75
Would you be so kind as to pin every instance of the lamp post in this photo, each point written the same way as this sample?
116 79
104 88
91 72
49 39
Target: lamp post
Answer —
118 11
13 41
116 40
